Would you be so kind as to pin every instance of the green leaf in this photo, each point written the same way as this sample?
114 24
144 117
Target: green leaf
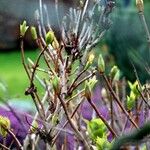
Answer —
102 143
96 128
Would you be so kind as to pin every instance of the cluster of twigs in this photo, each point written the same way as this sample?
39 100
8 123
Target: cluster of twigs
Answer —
68 77
63 86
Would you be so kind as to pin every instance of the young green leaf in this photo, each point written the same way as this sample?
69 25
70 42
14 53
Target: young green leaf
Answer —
23 28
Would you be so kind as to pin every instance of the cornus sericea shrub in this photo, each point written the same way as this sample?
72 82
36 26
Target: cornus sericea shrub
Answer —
68 114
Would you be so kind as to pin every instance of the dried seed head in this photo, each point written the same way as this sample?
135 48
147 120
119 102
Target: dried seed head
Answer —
140 5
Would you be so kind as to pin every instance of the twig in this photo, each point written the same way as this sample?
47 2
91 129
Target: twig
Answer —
23 57
19 146
4 147
142 18
36 65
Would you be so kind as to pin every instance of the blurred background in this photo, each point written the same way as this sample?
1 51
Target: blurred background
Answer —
125 43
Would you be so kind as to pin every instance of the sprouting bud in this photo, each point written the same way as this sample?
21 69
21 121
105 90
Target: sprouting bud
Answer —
56 84
140 5
89 61
4 125
113 71
132 96
87 91
134 87
49 37
92 82
33 33
34 126
131 100
130 103
23 28
91 58
117 76
101 64
55 44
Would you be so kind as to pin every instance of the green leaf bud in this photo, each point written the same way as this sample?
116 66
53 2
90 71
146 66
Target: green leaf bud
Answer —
117 76
92 82
89 61
49 37
131 100
87 91
33 33
113 71
101 64
4 124
23 28
134 87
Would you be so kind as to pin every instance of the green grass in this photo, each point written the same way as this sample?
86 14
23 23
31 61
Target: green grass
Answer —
12 73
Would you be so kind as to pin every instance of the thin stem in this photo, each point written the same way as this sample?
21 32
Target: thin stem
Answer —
142 17
4 147
36 65
144 99
57 14
23 57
